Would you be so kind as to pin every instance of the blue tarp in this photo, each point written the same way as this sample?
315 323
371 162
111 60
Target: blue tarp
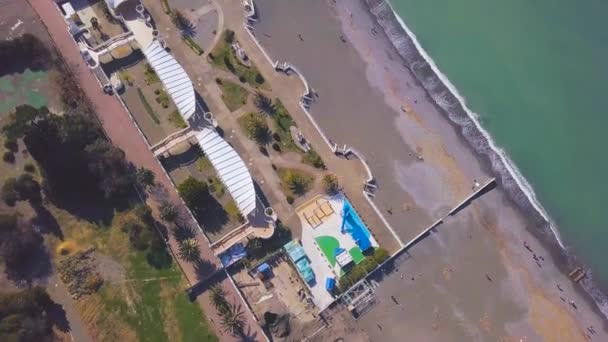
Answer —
329 284
233 254
338 250
263 268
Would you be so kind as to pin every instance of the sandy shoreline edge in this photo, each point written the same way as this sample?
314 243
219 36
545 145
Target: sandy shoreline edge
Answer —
445 97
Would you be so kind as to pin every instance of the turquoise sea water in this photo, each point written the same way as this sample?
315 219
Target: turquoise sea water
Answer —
535 73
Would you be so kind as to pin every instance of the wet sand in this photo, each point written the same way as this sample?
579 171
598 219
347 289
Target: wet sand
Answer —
362 84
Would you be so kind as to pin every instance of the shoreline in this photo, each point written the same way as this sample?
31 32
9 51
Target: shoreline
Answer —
519 190
365 82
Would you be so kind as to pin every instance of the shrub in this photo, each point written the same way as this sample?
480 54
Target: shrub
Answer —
259 79
11 144
9 193
179 20
229 36
242 79
263 150
29 167
289 199
218 81
144 177
8 157
193 45
276 147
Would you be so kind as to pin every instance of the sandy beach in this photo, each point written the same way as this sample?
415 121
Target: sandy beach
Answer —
472 279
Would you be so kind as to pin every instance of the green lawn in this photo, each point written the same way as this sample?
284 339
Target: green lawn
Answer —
176 120
234 95
223 57
328 245
282 121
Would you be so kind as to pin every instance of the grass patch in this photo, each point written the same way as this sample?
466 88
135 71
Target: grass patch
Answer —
148 107
314 159
223 56
294 182
193 45
125 77
282 121
234 95
165 5
150 75
234 212
203 164
176 120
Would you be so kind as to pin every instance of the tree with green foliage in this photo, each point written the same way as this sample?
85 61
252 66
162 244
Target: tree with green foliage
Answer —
218 297
24 188
330 184
257 129
233 320
194 192
24 316
26 51
263 103
189 250
168 212
18 240
296 182
74 157
144 177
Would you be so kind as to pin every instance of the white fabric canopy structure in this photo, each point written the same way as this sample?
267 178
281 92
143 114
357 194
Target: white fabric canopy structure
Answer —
174 78
230 168
114 3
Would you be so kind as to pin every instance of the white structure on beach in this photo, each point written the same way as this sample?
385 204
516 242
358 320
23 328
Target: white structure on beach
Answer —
230 168
174 78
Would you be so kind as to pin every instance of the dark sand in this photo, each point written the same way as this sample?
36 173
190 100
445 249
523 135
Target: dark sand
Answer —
362 83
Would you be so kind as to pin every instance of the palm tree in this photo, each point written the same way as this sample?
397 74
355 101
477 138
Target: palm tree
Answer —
168 212
330 184
189 250
233 320
218 298
179 20
263 103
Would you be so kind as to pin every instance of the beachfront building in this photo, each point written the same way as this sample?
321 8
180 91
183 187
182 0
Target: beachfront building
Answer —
229 166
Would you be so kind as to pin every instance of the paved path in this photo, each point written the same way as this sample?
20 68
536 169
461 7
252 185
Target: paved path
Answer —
123 133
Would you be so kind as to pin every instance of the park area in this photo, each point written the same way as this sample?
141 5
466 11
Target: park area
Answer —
70 219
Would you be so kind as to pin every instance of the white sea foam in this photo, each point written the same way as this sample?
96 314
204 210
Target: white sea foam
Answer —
499 159
507 163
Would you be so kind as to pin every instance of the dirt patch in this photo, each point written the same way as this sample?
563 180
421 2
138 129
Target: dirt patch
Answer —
110 270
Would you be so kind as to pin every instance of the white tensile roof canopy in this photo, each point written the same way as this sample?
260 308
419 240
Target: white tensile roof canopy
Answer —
230 168
174 78
114 3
